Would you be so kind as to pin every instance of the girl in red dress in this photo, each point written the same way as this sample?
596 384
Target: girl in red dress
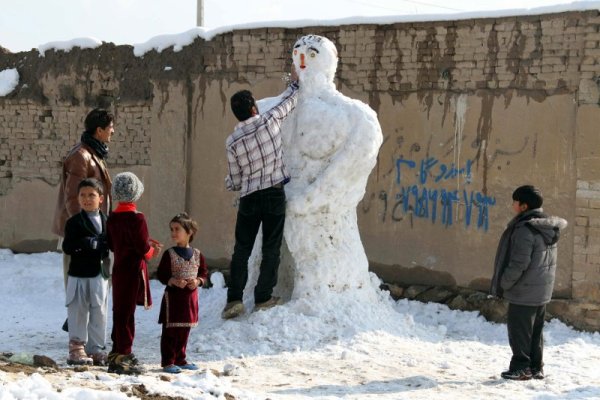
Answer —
182 269
128 238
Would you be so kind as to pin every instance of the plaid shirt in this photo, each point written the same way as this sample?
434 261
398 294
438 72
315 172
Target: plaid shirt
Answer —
254 151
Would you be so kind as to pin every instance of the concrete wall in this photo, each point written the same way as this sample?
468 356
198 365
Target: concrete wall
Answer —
469 109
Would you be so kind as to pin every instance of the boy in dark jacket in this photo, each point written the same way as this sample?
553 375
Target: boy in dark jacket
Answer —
524 272
87 286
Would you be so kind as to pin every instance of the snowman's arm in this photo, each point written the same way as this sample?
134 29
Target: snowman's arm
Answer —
343 181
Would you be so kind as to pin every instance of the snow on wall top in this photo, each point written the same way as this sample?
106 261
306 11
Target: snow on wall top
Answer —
180 40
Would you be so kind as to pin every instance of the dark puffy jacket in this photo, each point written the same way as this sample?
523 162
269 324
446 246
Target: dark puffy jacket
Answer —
525 264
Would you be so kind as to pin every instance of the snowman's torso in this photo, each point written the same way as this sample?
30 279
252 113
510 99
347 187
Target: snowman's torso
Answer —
314 133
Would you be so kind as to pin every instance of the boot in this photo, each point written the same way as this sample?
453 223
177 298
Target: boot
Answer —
100 358
77 355
233 309
124 364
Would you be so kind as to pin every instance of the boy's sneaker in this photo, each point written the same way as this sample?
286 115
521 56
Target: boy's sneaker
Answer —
77 355
189 366
537 373
233 309
124 364
172 369
517 375
100 359
272 302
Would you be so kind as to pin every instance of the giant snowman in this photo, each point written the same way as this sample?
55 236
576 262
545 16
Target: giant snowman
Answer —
331 144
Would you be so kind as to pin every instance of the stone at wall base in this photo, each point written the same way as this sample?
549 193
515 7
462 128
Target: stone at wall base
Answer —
396 291
577 314
34 246
435 295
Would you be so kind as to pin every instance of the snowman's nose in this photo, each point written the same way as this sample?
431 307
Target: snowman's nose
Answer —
302 61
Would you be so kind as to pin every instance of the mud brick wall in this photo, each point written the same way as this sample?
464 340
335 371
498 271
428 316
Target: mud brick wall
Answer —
33 140
587 239
469 109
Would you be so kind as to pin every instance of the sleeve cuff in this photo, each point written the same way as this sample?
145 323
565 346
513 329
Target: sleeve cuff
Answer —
149 253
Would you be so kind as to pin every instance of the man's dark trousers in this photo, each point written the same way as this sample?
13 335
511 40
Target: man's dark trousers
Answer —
525 325
265 206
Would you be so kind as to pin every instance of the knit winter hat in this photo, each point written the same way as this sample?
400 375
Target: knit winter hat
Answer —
127 188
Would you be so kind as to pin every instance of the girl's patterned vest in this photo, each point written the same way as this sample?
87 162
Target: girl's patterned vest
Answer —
182 269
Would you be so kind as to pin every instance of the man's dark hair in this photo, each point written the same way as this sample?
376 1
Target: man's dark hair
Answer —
241 104
93 183
98 118
529 195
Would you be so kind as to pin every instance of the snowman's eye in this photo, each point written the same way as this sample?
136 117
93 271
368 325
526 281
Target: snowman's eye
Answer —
295 52
313 54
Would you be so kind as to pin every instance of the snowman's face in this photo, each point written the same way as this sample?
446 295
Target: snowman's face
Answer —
314 55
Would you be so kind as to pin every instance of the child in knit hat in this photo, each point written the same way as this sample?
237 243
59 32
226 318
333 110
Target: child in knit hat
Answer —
132 246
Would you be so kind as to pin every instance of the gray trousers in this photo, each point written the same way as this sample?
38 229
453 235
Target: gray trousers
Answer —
87 305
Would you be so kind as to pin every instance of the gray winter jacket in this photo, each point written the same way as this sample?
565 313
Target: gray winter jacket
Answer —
525 264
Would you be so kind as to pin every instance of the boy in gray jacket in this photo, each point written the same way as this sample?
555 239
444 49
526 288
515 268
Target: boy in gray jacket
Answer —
524 272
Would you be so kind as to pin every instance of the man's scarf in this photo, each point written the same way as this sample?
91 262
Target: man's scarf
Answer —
100 148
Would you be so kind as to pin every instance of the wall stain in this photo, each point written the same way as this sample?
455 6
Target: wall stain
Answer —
447 67
484 129
374 92
164 96
187 142
514 59
428 55
398 90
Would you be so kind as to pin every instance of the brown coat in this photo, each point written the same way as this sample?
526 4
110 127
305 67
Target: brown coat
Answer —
81 162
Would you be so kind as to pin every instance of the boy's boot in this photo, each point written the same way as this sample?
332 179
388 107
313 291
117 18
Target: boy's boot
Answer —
77 355
126 364
100 358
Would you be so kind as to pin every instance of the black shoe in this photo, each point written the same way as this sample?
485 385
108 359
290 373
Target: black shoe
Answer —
517 375
537 374
65 326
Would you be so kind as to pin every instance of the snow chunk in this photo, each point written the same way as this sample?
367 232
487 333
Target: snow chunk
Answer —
9 79
161 42
66 46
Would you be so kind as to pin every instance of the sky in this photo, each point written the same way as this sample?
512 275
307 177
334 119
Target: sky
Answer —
351 349
27 24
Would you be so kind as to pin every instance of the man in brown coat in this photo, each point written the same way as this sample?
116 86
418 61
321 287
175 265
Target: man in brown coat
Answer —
85 160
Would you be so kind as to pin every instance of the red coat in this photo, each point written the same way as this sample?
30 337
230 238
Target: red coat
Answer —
128 239
179 307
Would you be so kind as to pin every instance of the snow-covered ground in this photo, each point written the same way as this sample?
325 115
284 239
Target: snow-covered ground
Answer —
310 349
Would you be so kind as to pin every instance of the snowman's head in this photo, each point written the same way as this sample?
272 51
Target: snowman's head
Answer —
315 58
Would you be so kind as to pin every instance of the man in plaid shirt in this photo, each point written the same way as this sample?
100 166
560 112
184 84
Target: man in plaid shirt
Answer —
256 169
